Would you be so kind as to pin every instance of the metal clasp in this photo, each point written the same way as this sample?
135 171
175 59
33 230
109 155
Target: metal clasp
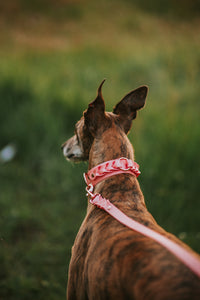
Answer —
89 189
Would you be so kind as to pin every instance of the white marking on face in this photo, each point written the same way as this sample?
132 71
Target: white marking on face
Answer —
72 149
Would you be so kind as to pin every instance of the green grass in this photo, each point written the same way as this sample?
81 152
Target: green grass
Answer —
49 72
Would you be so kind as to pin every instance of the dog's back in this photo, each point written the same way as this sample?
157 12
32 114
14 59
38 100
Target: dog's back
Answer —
110 261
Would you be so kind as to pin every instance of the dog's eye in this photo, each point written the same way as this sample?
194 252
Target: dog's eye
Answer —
77 137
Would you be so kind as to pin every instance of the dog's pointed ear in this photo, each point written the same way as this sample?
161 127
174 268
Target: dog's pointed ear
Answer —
95 114
128 106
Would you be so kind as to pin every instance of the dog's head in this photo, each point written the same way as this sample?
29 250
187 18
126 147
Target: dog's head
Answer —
95 121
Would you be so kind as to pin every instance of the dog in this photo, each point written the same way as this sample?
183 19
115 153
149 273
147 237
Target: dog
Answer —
109 260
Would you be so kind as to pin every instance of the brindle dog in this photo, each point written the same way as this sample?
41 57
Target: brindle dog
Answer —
110 261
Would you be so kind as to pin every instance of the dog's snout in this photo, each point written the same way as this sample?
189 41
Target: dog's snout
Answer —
65 148
72 150
70 155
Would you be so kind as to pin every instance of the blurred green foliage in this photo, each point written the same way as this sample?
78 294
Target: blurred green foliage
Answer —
52 61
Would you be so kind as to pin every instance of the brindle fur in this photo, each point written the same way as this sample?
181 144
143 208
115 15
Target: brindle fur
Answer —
110 261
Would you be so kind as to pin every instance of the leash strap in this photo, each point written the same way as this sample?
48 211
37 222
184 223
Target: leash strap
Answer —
124 165
189 260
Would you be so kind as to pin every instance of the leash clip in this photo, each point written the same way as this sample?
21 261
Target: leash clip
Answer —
89 190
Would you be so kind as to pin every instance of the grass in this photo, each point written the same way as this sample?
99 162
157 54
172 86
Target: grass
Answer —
52 62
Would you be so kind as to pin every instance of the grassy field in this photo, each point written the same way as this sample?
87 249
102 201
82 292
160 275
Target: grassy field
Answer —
52 59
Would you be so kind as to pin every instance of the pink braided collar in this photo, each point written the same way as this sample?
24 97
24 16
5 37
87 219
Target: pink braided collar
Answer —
124 165
110 168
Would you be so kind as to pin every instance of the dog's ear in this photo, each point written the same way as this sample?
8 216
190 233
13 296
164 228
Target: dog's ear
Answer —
128 106
95 114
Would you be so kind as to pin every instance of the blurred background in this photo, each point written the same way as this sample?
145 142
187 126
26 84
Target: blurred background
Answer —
53 56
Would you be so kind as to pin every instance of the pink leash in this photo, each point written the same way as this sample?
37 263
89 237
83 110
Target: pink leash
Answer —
124 165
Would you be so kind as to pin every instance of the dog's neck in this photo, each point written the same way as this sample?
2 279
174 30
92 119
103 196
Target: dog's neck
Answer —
111 144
